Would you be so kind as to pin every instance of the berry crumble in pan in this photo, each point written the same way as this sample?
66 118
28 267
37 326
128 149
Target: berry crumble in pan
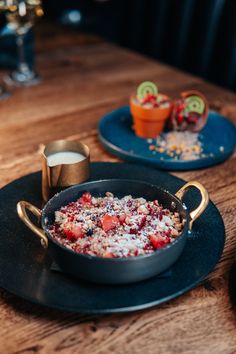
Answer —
115 228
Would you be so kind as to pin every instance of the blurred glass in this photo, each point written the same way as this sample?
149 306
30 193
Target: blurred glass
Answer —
71 17
3 92
21 16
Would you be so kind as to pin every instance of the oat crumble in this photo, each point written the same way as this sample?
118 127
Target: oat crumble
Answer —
112 227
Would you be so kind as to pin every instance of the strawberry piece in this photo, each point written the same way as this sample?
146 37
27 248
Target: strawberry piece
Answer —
86 199
109 222
122 218
158 242
180 107
73 232
108 255
160 215
180 118
149 98
142 222
192 118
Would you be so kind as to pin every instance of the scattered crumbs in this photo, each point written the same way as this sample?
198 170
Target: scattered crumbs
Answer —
149 141
179 145
222 148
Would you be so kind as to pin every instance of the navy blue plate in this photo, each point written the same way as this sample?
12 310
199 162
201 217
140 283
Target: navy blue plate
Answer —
117 137
25 267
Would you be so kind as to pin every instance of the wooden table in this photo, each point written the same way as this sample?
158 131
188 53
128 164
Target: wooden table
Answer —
83 78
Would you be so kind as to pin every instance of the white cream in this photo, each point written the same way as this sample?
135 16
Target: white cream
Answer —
64 158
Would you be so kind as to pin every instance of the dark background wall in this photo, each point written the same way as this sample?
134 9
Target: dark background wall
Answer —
198 36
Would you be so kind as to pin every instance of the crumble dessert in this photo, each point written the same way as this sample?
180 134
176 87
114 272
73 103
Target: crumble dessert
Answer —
115 228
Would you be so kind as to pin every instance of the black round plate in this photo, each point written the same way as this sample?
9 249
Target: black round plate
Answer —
25 265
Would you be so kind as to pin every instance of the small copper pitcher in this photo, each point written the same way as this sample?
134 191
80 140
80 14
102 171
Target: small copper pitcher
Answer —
65 174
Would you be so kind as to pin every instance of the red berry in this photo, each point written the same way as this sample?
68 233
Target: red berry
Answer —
109 222
133 231
73 232
192 118
122 218
180 107
150 99
71 217
86 198
158 242
108 255
69 234
148 247
142 222
180 118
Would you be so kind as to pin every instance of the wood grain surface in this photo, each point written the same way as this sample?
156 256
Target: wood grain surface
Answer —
83 78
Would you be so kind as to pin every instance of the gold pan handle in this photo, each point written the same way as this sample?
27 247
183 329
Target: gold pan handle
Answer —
22 206
204 201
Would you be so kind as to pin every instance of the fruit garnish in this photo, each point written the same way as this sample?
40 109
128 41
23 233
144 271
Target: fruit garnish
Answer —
158 242
108 255
122 218
142 222
190 112
150 99
195 104
86 198
109 222
146 88
73 232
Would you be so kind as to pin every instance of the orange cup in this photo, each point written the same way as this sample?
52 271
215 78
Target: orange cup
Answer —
149 122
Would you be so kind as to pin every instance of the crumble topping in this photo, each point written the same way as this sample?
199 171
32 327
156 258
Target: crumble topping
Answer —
153 101
112 227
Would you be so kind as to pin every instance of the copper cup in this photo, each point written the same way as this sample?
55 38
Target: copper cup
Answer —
62 175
